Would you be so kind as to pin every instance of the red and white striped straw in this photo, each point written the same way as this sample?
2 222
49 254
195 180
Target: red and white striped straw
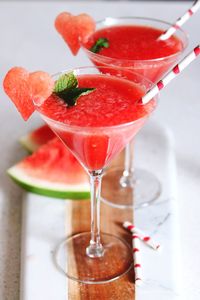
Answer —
142 235
137 259
171 75
190 12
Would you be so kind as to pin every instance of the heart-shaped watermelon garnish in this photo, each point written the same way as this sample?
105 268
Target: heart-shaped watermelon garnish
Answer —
23 88
74 29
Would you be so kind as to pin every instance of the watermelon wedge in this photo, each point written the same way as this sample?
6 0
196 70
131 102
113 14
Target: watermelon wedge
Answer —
52 171
74 29
38 137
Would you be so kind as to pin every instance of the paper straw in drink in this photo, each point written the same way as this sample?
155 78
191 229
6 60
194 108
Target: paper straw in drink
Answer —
171 75
189 13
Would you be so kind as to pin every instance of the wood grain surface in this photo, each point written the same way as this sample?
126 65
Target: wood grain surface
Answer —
78 220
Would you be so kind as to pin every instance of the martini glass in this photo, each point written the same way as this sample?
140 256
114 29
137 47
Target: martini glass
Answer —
129 182
99 257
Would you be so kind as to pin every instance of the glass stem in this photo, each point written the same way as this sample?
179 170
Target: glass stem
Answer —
127 179
95 249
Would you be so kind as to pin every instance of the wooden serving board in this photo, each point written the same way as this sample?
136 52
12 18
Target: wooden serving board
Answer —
78 220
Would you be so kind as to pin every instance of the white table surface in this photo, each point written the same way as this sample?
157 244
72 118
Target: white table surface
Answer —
28 39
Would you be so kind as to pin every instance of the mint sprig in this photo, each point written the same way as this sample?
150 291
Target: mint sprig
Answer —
71 96
99 44
66 88
65 81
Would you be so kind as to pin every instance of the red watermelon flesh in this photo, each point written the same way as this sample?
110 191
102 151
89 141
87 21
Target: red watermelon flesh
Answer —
53 171
16 87
41 85
50 160
23 88
42 135
74 29
38 137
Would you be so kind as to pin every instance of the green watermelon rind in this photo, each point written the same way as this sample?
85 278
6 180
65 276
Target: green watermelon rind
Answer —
44 191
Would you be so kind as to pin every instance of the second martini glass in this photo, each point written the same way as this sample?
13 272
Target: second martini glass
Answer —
95 131
129 185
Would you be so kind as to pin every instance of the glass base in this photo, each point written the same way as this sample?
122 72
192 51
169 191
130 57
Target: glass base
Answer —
142 191
71 259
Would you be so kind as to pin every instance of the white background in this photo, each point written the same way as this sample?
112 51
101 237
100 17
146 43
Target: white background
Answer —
28 38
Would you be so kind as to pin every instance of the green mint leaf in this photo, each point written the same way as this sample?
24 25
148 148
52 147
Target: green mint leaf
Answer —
99 44
66 88
70 96
65 81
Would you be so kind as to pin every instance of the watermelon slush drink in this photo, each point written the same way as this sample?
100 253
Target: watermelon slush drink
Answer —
95 130
133 44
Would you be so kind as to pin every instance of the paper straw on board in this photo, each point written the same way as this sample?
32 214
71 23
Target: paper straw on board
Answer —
142 235
137 259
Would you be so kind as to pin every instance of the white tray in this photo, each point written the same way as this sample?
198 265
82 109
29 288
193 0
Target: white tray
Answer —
44 220
161 269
